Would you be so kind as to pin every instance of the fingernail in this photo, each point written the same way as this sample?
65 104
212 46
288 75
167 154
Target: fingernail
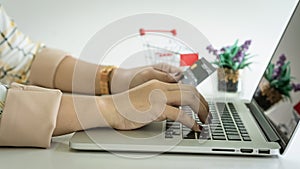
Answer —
175 74
178 73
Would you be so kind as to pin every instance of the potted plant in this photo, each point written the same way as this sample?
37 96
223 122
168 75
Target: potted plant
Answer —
230 60
276 85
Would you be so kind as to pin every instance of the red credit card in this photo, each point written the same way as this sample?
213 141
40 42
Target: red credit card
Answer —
188 59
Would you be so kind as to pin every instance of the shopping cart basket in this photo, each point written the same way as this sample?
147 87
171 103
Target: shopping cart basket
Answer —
163 46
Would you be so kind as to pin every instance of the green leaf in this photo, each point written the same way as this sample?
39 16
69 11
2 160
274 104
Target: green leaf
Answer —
234 51
284 67
244 65
274 82
269 72
236 66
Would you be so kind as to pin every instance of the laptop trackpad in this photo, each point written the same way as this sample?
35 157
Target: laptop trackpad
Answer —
151 130
146 134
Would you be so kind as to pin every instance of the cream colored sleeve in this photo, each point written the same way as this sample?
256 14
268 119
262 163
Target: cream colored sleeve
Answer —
56 69
44 67
32 115
29 116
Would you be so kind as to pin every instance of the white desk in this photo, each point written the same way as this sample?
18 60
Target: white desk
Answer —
60 156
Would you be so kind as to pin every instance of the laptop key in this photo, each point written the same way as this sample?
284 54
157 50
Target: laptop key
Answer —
246 138
232 133
238 120
215 121
186 129
174 127
245 134
219 137
204 137
168 135
234 137
240 126
176 132
217 131
229 127
231 130
216 127
188 135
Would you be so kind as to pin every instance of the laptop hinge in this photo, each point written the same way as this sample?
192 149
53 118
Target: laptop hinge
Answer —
265 124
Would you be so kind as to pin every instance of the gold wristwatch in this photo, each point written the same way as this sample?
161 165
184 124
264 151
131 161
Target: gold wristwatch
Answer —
105 79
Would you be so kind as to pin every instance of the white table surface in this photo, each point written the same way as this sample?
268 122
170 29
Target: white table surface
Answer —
60 156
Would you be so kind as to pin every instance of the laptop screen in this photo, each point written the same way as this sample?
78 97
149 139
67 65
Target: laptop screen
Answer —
278 93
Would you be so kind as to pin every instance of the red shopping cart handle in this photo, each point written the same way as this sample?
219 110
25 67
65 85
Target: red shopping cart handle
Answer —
143 31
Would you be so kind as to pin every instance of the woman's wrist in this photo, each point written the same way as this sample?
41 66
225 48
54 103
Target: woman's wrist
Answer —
108 111
105 79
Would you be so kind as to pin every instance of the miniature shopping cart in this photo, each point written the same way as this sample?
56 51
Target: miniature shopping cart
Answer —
163 46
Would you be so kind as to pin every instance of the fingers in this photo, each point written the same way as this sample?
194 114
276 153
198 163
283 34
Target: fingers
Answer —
175 114
167 68
168 73
178 98
181 94
184 87
163 76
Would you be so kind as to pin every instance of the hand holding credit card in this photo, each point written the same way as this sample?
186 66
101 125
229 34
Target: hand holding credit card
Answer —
196 73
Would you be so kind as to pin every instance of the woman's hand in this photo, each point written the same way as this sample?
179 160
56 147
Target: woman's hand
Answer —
153 101
125 79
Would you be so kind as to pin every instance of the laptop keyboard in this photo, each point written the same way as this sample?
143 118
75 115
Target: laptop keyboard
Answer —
223 123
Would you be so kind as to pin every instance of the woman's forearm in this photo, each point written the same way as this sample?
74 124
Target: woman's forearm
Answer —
80 112
56 69
77 76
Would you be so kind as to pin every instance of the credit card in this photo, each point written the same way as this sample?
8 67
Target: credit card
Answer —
196 73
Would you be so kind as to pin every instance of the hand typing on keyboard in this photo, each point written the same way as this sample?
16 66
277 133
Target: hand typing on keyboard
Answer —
155 101
223 123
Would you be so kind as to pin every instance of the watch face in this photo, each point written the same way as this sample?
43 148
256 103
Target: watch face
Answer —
196 73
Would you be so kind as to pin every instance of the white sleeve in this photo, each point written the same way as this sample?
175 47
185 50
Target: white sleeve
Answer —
3 93
5 21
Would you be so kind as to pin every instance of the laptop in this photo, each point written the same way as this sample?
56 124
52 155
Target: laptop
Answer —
235 127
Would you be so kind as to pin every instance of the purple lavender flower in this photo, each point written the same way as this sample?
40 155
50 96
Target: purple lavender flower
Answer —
212 50
276 73
296 87
279 64
225 57
246 45
239 57
223 49
281 60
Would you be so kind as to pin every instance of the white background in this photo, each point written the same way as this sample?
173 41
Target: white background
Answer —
69 24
